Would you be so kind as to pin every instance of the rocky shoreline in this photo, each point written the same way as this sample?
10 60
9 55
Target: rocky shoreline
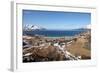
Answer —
39 48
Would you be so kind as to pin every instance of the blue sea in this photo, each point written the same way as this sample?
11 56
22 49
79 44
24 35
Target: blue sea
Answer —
54 33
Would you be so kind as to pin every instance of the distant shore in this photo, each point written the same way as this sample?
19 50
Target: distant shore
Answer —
65 37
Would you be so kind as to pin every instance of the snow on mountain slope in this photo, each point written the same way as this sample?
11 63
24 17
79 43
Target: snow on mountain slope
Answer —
88 26
30 27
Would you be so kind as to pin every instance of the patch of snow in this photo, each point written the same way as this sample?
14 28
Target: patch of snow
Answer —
27 54
56 44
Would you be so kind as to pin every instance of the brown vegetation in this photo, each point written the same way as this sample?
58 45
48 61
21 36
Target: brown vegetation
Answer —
81 46
78 46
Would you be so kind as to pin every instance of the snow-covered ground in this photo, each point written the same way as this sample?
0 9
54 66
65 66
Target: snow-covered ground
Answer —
66 53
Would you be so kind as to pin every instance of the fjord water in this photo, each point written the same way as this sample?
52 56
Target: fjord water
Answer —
54 33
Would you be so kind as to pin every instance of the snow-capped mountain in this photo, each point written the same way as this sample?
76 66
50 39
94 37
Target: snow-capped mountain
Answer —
30 27
88 26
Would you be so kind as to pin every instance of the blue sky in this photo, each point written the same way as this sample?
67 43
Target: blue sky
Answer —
56 20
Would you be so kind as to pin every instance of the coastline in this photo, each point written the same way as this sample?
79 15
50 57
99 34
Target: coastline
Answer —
41 48
65 37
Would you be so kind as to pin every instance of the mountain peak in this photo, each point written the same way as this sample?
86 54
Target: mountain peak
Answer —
30 27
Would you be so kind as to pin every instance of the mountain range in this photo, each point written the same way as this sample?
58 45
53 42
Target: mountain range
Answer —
31 27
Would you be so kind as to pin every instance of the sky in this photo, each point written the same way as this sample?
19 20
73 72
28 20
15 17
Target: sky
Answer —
56 20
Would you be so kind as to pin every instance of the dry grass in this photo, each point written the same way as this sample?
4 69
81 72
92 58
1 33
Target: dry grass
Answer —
77 48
